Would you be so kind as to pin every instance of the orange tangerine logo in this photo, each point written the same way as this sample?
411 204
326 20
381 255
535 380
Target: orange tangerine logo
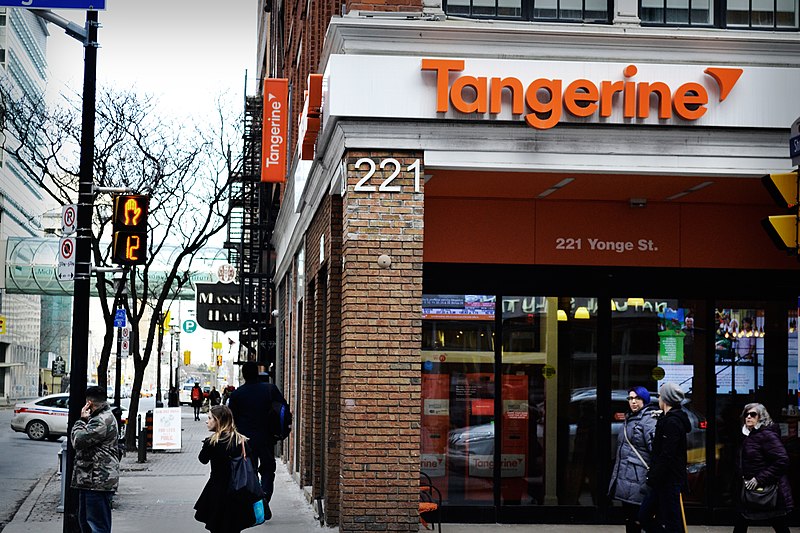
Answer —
544 100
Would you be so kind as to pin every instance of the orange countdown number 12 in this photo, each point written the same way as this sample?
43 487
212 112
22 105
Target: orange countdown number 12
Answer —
132 247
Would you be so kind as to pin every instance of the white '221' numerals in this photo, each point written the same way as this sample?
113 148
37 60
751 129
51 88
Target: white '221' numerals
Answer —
394 165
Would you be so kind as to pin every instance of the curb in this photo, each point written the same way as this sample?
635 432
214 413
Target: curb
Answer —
27 506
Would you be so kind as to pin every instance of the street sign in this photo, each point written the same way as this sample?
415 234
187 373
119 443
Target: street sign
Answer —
93 5
794 149
124 341
119 318
66 258
189 326
216 345
69 218
794 142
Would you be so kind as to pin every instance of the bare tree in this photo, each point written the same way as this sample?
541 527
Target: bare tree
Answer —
185 171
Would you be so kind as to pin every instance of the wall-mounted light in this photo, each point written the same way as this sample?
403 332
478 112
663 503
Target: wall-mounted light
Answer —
634 302
561 315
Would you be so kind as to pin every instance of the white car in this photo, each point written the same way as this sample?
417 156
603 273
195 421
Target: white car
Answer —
46 418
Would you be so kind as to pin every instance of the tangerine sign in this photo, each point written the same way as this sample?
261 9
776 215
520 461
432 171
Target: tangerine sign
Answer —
543 100
274 130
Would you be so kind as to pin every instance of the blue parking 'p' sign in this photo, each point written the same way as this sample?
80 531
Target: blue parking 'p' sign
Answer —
92 5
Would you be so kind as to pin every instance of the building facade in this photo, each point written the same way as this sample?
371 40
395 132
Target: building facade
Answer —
23 207
498 217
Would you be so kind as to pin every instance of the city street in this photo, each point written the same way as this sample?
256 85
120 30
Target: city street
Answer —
22 462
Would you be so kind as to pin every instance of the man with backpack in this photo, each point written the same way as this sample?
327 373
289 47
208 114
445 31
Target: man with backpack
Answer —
256 409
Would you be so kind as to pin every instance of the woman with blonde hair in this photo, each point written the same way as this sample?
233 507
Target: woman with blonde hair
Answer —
763 465
216 507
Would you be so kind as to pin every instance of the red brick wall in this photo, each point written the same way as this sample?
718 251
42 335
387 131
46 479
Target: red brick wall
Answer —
381 336
322 349
306 23
384 5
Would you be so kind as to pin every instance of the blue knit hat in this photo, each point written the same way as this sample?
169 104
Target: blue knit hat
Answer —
642 393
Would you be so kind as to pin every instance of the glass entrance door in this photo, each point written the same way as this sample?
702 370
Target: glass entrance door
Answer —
654 341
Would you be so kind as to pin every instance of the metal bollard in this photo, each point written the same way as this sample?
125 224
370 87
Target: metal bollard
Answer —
141 445
62 468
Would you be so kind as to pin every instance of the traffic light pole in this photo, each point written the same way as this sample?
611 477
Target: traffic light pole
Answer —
80 302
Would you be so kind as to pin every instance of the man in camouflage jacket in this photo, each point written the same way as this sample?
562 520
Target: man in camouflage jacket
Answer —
96 471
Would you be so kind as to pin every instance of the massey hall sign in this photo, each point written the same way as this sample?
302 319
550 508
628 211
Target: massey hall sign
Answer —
218 305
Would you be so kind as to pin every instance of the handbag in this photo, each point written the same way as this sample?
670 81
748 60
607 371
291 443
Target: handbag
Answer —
760 499
244 479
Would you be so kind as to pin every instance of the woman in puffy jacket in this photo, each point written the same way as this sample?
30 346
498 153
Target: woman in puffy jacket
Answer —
634 445
763 462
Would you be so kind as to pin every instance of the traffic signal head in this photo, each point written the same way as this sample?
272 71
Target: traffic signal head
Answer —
783 229
783 188
129 221
219 360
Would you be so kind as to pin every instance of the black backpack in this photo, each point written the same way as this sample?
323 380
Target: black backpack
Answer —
280 420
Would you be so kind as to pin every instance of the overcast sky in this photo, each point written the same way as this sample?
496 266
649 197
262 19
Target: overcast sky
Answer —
184 52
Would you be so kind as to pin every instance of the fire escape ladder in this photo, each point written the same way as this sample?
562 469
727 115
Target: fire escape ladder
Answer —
252 212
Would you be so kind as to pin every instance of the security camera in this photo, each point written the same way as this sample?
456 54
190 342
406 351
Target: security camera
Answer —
274 312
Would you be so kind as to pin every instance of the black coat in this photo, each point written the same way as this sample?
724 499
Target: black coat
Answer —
251 404
220 512
763 457
669 450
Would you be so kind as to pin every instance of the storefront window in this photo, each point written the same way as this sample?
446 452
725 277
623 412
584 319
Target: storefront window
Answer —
739 371
576 458
528 373
654 341
458 391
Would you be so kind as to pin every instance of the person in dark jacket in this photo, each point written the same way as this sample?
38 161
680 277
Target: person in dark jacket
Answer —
634 446
196 395
251 404
214 397
661 508
218 510
763 461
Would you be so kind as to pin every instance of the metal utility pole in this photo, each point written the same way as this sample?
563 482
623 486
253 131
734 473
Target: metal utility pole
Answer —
83 242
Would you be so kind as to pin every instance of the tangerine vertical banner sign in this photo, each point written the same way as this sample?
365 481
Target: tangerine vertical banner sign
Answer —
274 130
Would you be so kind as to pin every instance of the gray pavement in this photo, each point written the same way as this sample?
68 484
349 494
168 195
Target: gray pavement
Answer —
158 496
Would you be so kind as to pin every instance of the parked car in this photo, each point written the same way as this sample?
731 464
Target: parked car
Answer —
478 440
47 417
185 394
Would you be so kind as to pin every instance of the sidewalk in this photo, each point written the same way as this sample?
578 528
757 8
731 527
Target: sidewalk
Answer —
158 496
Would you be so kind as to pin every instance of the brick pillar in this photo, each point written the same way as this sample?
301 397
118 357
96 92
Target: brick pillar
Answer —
381 336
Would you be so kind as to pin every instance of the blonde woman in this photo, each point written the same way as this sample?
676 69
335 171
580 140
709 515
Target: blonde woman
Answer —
216 508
